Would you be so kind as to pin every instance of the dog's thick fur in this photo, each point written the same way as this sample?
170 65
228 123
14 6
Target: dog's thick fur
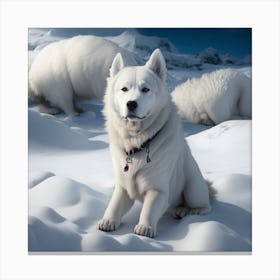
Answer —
215 97
172 178
72 68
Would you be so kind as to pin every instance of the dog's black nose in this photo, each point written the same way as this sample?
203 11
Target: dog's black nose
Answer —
131 105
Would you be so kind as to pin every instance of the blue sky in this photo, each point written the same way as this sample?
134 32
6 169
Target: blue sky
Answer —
235 41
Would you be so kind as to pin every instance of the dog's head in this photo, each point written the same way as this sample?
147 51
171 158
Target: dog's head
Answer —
138 91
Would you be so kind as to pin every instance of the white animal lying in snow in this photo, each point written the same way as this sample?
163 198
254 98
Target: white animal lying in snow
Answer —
215 97
72 68
151 159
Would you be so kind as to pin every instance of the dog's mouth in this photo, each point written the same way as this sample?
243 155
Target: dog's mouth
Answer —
132 117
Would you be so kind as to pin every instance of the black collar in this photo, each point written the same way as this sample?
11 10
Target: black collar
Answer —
142 146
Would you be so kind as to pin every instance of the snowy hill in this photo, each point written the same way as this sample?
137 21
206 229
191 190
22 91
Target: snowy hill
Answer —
142 46
71 180
212 56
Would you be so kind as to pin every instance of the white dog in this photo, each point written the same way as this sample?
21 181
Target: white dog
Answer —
72 68
215 97
151 159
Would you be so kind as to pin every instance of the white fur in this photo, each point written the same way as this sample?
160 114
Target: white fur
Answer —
215 97
172 178
71 68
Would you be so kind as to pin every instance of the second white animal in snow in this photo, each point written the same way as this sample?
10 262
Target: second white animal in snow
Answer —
215 97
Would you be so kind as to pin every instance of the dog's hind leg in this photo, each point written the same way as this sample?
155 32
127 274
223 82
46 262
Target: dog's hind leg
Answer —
196 190
180 211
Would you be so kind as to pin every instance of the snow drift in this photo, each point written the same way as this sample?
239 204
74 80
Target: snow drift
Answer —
69 189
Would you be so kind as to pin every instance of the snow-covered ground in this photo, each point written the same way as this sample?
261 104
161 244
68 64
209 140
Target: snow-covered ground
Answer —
71 178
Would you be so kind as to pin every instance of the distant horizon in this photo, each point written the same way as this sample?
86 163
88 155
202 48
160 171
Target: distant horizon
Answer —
233 41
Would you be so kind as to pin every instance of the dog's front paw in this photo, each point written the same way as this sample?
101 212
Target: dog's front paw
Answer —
145 230
108 225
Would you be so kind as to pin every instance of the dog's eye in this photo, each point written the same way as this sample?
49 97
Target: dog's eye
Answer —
145 89
124 89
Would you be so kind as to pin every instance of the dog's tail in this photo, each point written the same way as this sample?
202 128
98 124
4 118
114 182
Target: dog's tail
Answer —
212 191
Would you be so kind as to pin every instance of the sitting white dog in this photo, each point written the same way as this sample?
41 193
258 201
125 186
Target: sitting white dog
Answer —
151 159
215 97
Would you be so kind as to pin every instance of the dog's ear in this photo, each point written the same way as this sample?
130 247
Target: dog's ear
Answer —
156 63
117 65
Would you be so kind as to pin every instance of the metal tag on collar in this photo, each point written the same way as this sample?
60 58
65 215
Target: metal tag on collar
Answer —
128 160
126 168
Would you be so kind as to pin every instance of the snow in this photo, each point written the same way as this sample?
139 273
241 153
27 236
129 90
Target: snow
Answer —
213 148
71 180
